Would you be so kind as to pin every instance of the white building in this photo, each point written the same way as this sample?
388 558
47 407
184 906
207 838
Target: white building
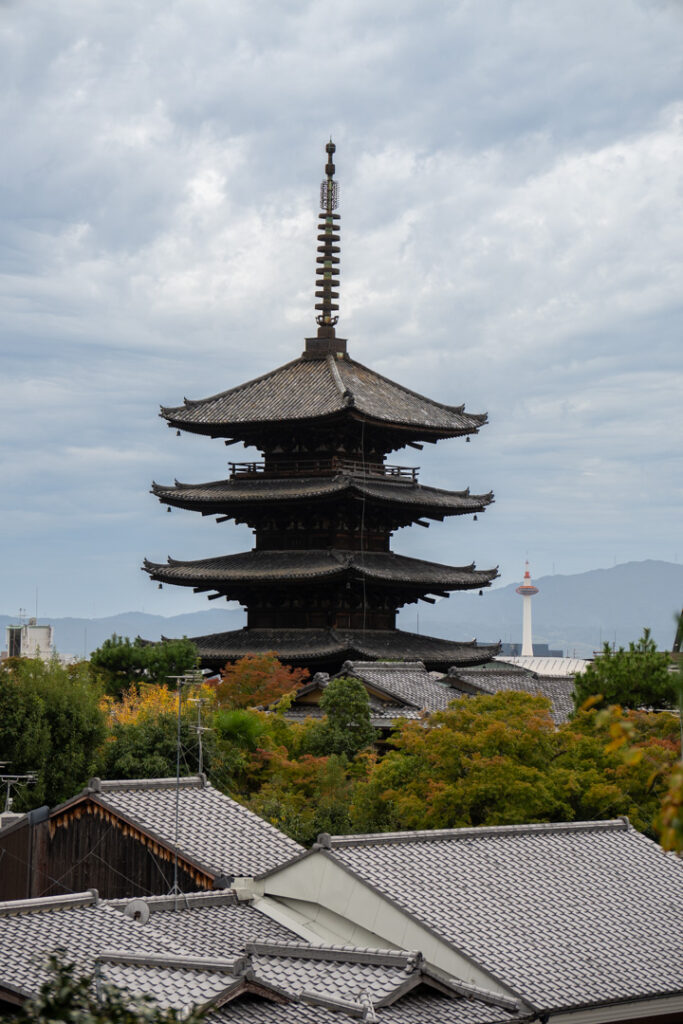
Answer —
29 640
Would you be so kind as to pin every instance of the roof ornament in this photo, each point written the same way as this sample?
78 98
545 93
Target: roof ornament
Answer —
327 273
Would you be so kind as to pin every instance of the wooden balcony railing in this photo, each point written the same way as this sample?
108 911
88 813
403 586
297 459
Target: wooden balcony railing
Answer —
324 467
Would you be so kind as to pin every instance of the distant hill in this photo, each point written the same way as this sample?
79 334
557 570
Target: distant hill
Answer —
82 636
575 613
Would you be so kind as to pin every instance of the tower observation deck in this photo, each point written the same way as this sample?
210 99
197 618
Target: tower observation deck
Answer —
321 584
527 590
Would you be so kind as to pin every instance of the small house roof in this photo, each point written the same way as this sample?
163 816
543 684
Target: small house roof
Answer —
566 915
169 955
217 834
406 683
545 666
497 677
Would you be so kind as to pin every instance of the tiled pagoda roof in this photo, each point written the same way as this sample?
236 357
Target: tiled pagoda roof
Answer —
219 495
322 645
314 389
307 566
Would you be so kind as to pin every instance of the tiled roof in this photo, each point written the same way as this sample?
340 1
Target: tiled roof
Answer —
408 683
418 1007
31 929
565 667
309 565
220 495
382 716
167 957
497 677
218 926
566 915
307 389
346 644
215 832
171 985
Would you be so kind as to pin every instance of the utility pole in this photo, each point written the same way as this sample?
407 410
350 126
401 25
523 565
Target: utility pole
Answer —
188 679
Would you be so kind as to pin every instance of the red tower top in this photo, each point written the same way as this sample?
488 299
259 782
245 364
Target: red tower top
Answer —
526 588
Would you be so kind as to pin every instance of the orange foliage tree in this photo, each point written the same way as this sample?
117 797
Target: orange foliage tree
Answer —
257 680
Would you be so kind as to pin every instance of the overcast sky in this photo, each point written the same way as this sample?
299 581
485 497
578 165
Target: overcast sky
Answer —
512 238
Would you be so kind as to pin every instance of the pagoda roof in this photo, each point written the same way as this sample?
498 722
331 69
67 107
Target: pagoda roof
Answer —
322 645
320 388
310 565
219 494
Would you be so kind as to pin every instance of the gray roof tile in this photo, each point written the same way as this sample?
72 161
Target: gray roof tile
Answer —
408 683
498 678
216 832
193 954
27 937
218 924
564 914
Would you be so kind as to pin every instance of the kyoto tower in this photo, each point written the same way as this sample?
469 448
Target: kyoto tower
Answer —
527 590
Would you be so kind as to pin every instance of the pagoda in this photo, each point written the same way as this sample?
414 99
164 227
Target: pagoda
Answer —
321 585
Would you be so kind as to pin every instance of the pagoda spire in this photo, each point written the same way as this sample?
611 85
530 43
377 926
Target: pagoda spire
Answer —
327 273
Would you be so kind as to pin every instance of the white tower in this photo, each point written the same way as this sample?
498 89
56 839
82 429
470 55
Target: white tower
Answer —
527 590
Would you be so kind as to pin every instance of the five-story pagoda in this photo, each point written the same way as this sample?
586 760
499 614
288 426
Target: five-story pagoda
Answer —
321 585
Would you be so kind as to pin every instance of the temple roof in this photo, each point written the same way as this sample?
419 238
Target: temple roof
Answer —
309 646
310 565
314 389
220 494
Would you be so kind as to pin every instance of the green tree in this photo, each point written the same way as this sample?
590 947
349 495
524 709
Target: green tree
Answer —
147 748
306 796
120 662
84 999
635 678
497 760
346 728
51 724
236 737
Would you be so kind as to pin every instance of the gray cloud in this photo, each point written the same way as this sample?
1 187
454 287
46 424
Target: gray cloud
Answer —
511 238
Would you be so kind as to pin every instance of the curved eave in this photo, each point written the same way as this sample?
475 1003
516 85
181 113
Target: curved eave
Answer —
297 568
311 646
220 497
305 392
249 431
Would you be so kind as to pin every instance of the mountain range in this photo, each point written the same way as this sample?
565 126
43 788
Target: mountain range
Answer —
576 614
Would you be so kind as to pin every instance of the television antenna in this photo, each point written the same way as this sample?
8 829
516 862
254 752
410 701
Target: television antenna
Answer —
199 728
11 782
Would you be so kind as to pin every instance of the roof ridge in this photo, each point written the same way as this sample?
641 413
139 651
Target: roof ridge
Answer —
173 961
89 898
97 785
346 395
459 409
351 954
469 990
387 666
328 842
218 897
